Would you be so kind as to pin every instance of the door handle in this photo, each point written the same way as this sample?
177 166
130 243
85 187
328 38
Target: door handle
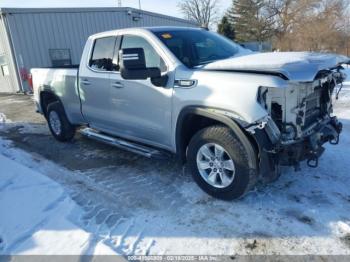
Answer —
117 85
85 82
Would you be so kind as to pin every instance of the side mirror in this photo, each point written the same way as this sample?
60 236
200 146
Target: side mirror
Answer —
133 65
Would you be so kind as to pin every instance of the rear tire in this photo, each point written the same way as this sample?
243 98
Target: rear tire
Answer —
219 163
58 123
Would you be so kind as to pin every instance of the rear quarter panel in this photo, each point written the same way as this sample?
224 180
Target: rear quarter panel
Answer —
62 83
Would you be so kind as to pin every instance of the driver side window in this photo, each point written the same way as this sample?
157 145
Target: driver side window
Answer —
151 56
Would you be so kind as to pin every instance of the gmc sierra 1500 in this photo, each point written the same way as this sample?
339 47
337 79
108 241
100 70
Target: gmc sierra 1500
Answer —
235 116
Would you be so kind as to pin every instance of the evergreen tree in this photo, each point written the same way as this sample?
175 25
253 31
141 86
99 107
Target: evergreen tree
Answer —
250 20
226 28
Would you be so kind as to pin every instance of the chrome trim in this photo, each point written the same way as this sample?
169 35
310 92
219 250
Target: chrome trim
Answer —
178 85
123 144
131 58
130 55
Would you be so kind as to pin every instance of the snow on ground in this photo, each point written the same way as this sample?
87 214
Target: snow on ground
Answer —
65 199
303 224
345 93
2 118
347 81
36 215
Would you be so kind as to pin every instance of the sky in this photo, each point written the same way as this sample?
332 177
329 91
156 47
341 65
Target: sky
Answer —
167 7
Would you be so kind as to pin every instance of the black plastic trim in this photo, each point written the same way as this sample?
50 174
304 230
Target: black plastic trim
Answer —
47 89
268 161
229 122
280 75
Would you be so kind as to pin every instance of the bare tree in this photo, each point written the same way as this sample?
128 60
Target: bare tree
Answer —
204 12
288 15
313 25
347 32
323 30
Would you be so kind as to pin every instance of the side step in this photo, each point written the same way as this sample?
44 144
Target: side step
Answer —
124 144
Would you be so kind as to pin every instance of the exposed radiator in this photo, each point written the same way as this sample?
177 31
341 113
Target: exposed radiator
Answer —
312 108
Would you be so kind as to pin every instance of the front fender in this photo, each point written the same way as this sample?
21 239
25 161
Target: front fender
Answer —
213 114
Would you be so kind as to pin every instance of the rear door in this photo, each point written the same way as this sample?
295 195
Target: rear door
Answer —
94 81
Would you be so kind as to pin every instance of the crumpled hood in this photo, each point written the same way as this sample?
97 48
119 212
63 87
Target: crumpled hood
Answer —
296 66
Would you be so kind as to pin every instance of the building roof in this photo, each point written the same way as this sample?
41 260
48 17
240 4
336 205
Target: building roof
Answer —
15 10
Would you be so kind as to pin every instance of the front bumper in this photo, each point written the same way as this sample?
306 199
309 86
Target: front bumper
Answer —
274 153
310 147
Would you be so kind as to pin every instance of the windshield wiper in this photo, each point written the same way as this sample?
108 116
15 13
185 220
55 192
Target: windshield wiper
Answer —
209 61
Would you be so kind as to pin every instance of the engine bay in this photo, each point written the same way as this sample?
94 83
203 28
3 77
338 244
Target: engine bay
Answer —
300 121
300 108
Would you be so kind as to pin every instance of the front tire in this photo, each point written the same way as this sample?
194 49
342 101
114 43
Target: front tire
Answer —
219 163
58 123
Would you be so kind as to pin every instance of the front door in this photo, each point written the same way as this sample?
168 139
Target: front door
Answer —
139 109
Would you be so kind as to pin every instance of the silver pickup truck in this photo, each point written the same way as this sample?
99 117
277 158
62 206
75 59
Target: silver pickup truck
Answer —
233 115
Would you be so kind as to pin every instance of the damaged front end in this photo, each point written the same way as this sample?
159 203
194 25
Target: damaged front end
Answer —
299 123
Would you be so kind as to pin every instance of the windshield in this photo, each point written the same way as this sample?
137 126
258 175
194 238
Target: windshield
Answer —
197 47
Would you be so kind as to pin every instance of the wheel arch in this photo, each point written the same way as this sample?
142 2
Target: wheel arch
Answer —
192 119
47 96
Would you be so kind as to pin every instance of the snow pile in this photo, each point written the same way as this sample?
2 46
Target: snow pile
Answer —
344 94
35 215
341 229
347 81
2 118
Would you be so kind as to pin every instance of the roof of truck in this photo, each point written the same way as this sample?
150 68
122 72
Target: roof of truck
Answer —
152 29
171 28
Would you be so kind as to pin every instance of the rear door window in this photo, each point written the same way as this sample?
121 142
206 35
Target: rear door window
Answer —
102 54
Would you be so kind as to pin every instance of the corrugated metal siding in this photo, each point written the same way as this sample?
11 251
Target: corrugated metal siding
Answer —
7 83
2 38
35 33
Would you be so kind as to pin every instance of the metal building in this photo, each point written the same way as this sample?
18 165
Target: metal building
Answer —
49 37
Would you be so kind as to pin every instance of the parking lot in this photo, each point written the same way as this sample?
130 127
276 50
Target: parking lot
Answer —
145 206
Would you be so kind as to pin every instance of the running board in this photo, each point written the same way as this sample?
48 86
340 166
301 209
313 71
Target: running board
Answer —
123 144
